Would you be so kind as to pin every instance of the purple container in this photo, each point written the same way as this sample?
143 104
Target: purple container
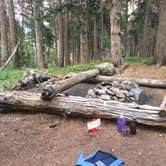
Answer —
121 122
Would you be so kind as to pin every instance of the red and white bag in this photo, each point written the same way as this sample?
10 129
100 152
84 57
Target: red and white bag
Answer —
94 125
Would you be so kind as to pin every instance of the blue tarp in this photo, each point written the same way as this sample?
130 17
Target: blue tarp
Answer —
99 158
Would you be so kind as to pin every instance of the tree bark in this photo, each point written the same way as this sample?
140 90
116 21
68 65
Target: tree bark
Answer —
143 82
102 27
78 106
39 36
116 56
13 33
4 33
60 60
84 38
160 48
95 40
145 42
66 38
65 84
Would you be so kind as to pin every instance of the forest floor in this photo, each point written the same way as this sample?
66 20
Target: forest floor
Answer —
26 139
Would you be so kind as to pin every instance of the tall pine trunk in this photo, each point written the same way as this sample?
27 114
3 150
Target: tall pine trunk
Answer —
95 39
13 32
39 36
116 56
102 26
60 42
160 48
4 32
145 39
84 38
66 38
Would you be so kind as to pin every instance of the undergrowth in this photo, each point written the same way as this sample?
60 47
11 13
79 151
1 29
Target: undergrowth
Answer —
9 76
138 59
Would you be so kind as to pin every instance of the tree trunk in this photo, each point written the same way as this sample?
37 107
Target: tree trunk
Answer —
125 40
95 40
65 84
160 48
145 42
84 38
78 106
66 38
116 56
60 60
39 36
4 33
13 32
143 82
102 27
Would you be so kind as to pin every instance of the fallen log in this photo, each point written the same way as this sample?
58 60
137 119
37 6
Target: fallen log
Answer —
51 90
78 106
143 82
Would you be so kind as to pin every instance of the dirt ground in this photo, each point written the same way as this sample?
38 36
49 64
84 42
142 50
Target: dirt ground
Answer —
26 139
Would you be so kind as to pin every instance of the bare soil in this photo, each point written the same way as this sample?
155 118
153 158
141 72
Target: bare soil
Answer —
26 139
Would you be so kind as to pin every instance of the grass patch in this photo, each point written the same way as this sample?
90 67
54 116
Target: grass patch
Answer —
138 59
8 77
74 68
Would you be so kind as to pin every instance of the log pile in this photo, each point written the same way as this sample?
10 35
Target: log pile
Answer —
108 100
123 91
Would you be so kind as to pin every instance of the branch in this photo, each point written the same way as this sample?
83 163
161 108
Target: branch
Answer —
10 57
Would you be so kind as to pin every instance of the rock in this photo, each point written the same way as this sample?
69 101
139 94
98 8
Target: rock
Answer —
115 83
105 97
119 93
107 69
110 92
132 99
115 98
129 94
139 95
91 93
100 91
122 99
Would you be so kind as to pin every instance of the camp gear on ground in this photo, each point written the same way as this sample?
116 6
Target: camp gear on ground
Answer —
121 122
99 158
133 127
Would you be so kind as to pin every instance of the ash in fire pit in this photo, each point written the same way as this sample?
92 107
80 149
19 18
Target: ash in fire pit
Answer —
123 91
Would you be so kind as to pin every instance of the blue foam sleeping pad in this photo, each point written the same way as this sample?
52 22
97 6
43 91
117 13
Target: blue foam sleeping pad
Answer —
99 158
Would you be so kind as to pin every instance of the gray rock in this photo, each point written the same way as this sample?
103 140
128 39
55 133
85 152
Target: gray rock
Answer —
115 83
110 92
122 99
129 94
119 93
91 93
115 98
105 97
100 91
